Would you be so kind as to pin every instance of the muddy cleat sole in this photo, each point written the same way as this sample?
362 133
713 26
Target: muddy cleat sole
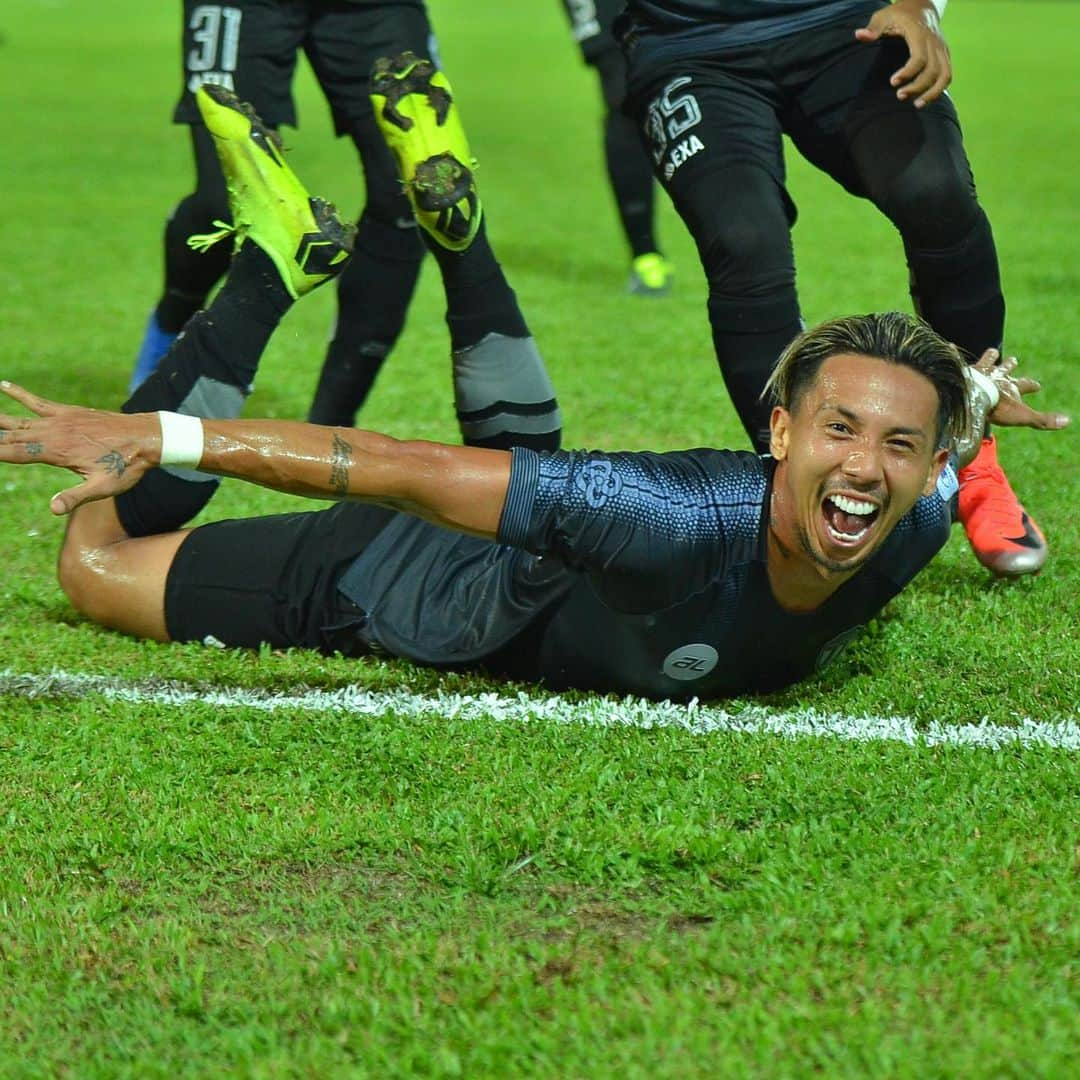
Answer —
1002 535
270 206
415 111
650 275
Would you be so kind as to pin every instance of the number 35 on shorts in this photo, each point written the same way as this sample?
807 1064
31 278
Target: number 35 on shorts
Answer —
669 118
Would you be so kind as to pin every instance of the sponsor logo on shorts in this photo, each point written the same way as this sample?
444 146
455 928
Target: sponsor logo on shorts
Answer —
689 662
670 116
686 149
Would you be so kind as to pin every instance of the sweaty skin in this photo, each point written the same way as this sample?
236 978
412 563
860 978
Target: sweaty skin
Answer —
863 433
461 487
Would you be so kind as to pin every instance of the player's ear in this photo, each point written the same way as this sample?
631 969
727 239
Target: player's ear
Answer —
941 457
779 432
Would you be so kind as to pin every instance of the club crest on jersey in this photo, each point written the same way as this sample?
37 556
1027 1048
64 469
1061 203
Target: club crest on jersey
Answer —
598 482
689 662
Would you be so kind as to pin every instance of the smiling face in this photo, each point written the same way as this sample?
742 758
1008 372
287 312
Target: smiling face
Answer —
856 452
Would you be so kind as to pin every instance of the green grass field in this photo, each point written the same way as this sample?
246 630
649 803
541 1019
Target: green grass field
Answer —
264 886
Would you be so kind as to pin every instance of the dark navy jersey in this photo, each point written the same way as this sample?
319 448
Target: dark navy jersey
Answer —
694 27
630 572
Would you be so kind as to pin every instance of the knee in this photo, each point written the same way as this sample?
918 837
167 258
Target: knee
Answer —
932 203
76 574
742 233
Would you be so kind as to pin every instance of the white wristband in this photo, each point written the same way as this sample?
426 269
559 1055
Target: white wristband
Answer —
181 439
983 383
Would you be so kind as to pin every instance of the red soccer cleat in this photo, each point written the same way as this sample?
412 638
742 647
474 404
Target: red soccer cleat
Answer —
1005 540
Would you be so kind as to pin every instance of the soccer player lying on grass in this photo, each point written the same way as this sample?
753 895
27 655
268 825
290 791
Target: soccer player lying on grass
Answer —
701 572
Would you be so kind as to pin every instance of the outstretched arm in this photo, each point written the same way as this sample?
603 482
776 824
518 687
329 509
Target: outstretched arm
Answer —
928 70
461 487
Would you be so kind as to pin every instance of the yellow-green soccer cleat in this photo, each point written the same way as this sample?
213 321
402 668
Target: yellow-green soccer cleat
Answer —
270 207
650 275
415 111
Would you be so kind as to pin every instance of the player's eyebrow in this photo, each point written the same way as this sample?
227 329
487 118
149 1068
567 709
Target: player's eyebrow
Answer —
855 418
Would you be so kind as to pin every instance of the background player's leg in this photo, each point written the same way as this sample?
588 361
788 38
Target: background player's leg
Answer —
374 290
189 275
631 177
207 372
724 172
912 165
502 392
291 244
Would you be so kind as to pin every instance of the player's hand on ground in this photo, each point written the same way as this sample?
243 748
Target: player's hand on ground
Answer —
1011 409
928 70
110 451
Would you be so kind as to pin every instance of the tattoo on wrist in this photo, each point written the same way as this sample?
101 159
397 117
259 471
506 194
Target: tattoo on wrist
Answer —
113 462
34 449
340 460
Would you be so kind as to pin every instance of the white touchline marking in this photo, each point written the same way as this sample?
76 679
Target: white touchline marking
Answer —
1063 734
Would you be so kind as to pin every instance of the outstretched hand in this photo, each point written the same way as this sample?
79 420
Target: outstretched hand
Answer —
110 451
1011 409
928 70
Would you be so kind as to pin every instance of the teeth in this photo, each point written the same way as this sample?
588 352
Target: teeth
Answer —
852 506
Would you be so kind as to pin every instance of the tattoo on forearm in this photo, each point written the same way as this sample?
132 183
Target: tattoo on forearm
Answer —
34 449
340 460
113 462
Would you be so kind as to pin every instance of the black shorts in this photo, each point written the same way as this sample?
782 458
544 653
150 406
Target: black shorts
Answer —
251 46
590 23
273 580
821 87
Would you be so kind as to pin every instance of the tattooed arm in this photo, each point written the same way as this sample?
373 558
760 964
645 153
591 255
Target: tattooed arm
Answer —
463 487
459 486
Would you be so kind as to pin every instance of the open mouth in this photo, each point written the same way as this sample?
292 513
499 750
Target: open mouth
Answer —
848 520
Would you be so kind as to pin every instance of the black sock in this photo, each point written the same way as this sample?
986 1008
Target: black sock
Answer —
479 300
189 274
374 291
631 178
749 336
957 290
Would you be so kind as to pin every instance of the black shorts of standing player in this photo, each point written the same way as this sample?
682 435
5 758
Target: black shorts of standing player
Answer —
252 47
628 167
714 123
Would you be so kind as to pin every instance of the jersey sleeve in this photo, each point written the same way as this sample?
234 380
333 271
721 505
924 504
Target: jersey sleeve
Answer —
650 529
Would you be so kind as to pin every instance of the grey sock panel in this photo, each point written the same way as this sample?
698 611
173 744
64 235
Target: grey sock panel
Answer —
504 396
211 399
